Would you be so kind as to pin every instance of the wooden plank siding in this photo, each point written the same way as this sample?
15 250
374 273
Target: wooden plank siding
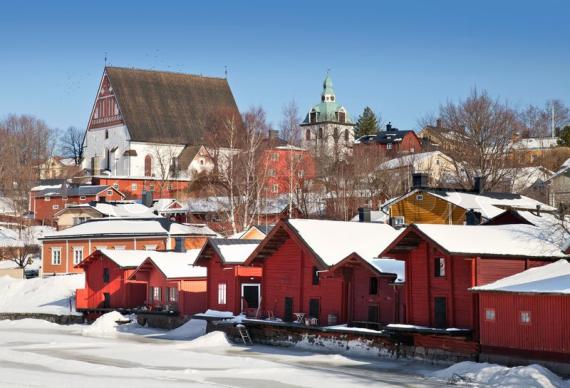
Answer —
429 210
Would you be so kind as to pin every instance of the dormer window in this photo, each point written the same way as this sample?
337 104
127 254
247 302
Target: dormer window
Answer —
313 117
342 117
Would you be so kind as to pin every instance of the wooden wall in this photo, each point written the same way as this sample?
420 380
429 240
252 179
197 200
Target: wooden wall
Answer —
429 210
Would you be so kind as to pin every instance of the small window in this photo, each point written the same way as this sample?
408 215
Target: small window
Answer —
119 247
106 275
56 256
156 294
201 162
271 172
274 156
77 255
419 197
315 276
47 198
134 187
373 286
389 146
399 221
346 134
106 133
320 135
150 247
173 294
82 198
151 187
275 188
439 269
525 317
55 207
222 293
179 244
64 198
101 247
490 314
115 186
308 134
301 173
109 192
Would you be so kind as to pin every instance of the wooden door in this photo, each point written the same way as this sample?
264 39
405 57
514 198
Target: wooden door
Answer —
314 308
373 313
288 316
440 311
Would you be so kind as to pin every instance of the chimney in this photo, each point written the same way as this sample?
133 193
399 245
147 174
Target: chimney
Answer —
472 217
438 123
538 210
147 198
364 214
478 184
389 126
272 134
419 180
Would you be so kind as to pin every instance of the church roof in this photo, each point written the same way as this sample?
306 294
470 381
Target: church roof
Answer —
168 107
327 110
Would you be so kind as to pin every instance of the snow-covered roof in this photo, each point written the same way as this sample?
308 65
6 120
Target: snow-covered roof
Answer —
163 205
489 204
177 265
397 267
495 240
332 241
115 209
535 143
290 147
234 251
525 177
411 159
375 216
127 227
126 258
548 279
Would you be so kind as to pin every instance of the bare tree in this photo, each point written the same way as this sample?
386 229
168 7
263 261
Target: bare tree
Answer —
540 121
71 144
289 125
22 252
481 140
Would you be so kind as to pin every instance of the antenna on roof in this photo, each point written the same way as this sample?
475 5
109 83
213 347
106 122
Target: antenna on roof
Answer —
226 71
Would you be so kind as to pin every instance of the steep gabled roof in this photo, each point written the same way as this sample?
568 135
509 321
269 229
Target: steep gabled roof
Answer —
230 251
173 265
168 107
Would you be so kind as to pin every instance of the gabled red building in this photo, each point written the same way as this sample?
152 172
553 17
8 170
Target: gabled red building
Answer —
231 285
172 282
527 314
106 280
444 261
287 168
392 141
322 269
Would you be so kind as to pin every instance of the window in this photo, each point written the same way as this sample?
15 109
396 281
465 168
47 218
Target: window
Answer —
106 275
134 187
77 255
489 314
315 276
419 197
342 117
56 256
398 221
439 267
55 207
82 198
79 220
335 133
148 165
346 134
271 172
314 308
151 187
109 192
100 247
525 317
106 133
119 247
173 295
156 291
308 134
150 247
389 146
64 198
47 198
275 188
274 156
179 244
301 173
320 135
313 118
222 293
115 186
373 286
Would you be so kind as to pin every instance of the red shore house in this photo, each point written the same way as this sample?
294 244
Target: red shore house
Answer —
444 261
231 286
323 269
106 280
172 282
45 201
527 314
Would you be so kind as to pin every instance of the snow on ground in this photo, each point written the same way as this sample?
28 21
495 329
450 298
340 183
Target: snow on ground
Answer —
53 295
38 353
500 376
194 328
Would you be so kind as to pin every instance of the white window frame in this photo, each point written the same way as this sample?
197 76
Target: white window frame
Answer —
109 192
173 294
100 247
119 247
399 221
47 198
275 188
490 314
56 259
115 186
156 294
150 247
525 317
55 207
243 285
388 146
222 293
442 265
134 187
274 156
77 250
419 197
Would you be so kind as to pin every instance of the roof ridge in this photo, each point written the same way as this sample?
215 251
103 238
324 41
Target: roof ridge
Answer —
165 71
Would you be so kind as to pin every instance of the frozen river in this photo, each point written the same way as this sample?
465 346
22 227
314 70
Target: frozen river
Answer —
38 353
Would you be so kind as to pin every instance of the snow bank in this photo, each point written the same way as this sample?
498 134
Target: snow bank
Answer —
53 295
105 326
501 376
215 339
192 329
219 314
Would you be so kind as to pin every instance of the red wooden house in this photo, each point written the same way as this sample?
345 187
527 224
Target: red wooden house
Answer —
106 280
321 269
231 285
392 141
287 168
444 261
527 314
172 282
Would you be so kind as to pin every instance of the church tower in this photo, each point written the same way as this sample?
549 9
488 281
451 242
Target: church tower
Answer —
327 128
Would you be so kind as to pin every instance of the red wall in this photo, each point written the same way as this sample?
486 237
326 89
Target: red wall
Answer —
547 332
302 162
160 188
121 292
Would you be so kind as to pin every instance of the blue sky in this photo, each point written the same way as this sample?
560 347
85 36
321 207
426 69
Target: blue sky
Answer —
402 58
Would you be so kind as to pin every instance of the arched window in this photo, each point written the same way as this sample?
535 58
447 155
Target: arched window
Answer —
346 134
308 134
148 165
335 134
320 133
108 159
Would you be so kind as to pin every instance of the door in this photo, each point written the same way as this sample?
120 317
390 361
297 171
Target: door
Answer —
314 308
250 294
288 315
106 300
373 313
440 311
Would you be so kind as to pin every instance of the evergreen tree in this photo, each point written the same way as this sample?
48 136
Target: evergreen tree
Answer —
564 136
367 123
